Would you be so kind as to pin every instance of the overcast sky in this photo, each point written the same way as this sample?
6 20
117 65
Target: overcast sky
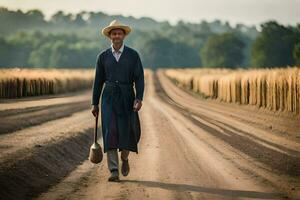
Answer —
250 12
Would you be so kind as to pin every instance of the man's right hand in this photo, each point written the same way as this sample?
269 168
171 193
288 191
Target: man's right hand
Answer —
95 110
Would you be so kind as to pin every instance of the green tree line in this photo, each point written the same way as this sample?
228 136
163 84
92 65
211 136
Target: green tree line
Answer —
27 39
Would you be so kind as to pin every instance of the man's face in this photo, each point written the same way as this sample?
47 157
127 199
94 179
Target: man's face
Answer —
117 35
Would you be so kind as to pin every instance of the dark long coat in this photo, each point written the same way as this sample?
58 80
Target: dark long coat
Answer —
120 124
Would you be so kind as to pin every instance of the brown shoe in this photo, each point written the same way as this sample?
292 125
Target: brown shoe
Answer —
125 167
114 176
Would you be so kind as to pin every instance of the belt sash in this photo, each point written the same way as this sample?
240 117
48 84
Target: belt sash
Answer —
121 95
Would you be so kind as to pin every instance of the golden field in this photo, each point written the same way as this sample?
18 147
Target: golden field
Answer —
18 82
277 89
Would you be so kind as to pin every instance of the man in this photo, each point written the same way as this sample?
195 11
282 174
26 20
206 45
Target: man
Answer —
121 69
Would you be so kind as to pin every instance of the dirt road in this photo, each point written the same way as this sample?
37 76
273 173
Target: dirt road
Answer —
190 148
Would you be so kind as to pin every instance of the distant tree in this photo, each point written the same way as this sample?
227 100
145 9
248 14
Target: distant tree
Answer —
274 46
21 44
296 54
12 21
40 57
60 55
35 15
162 52
79 21
157 52
223 50
61 18
5 53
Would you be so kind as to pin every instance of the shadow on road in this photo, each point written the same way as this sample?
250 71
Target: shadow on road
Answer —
194 188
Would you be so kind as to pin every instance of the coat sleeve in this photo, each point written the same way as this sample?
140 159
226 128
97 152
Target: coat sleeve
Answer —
99 80
139 79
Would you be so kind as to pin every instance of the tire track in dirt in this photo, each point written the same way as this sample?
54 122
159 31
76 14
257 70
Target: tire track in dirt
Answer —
37 157
44 100
280 123
280 166
42 167
22 113
14 120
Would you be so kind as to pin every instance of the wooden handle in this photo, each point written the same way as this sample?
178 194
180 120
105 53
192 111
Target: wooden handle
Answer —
95 132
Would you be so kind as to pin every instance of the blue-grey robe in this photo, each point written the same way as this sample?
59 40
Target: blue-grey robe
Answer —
120 124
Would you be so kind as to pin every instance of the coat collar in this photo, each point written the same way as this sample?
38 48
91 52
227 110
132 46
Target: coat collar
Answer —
121 49
124 50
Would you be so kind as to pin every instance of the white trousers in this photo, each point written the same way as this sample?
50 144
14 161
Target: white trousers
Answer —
113 158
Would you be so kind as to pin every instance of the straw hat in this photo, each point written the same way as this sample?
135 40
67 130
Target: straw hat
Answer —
115 24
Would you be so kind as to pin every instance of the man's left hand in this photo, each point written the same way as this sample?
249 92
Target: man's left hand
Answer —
137 104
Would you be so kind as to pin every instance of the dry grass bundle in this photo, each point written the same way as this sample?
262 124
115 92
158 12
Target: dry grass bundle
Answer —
277 89
18 82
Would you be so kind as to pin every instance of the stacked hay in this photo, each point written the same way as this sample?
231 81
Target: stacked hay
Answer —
16 82
182 77
277 89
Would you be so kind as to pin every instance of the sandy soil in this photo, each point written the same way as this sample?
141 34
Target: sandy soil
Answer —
190 148
18 114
